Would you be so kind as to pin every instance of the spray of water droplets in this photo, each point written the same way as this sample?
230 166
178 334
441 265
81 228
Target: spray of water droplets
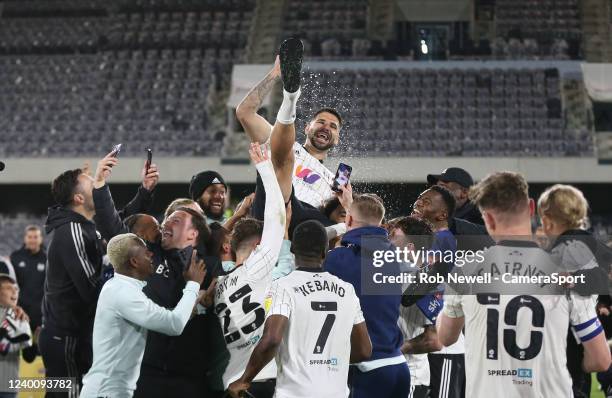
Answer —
345 90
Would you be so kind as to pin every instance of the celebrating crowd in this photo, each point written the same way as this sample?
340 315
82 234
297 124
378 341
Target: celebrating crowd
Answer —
272 301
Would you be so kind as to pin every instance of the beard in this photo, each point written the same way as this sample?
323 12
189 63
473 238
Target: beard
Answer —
210 213
321 147
89 205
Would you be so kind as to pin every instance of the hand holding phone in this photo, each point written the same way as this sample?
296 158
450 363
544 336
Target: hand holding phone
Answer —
343 176
105 167
150 174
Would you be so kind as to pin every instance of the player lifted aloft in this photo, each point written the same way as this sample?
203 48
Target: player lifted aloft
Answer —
303 179
515 344
314 326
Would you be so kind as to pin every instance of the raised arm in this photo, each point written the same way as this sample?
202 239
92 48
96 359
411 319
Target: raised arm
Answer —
274 214
257 127
107 218
286 260
141 203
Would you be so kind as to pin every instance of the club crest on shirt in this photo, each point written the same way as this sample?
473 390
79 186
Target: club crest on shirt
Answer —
267 303
40 267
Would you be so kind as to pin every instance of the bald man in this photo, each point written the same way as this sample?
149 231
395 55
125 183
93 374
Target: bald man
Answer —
124 314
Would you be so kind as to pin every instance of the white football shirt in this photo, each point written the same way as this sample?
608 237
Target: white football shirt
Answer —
240 295
516 344
313 360
412 323
312 181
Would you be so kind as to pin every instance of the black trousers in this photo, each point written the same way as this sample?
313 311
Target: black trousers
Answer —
65 356
447 375
263 389
154 383
258 389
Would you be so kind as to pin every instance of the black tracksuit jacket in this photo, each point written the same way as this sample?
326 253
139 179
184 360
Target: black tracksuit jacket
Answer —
72 283
30 270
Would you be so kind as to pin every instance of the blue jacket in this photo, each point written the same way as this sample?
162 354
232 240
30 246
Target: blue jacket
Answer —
381 311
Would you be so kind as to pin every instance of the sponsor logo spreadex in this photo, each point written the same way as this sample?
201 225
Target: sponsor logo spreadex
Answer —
330 361
520 376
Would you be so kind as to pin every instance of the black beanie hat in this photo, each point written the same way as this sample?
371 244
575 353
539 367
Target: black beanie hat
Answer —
203 180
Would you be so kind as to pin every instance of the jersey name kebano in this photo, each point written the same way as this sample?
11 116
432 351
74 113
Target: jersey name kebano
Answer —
318 286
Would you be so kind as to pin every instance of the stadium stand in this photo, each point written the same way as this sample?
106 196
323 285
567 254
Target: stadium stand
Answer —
50 35
333 30
180 30
448 111
549 28
155 71
146 73
124 97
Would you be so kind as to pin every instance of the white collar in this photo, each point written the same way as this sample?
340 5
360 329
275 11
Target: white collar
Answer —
132 281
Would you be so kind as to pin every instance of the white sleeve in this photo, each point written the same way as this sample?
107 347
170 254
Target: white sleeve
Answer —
279 301
357 306
137 308
583 317
275 219
452 306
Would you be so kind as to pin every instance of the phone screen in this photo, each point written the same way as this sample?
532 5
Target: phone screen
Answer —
343 175
116 150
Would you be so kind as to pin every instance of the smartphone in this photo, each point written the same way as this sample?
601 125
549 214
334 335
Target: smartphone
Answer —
185 257
149 158
343 175
116 150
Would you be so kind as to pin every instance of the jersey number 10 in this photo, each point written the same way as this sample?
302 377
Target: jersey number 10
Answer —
510 319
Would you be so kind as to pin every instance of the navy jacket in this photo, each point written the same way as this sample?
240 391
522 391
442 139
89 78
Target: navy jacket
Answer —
353 261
